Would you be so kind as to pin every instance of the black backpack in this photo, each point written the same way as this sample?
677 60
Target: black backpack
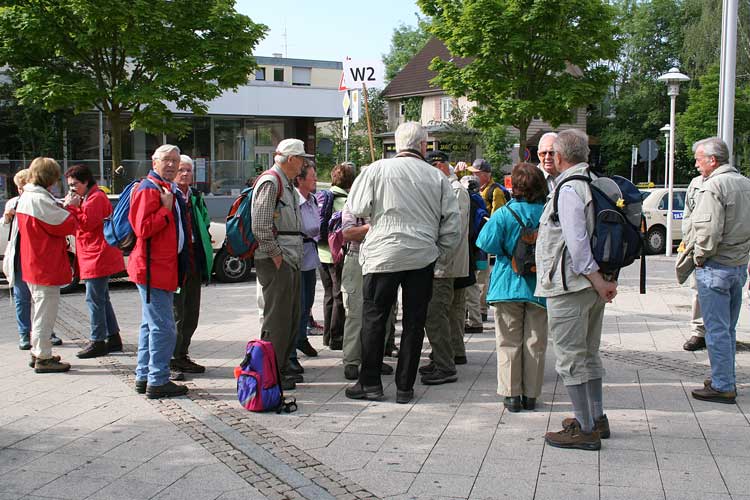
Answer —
523 260
617 240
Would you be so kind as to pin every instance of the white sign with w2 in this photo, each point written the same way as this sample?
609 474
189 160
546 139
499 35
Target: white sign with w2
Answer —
357 72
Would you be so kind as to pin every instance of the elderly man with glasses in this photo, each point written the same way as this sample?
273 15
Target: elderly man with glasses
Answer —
157 214
546 154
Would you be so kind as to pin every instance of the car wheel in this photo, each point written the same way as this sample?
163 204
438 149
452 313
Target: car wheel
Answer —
656 239
70 287
230 269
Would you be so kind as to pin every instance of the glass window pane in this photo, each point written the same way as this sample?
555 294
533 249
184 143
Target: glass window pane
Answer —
301 76
278 74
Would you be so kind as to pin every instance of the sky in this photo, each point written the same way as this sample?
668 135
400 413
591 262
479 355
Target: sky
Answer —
328 30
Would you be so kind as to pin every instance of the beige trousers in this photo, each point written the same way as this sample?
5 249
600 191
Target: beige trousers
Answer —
521 338
46 301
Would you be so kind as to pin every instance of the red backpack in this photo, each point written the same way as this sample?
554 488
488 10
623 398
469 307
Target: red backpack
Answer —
258 387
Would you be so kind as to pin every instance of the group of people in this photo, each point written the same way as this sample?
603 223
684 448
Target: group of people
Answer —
172 256
409 224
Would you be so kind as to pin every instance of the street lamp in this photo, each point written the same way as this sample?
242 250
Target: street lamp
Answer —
673 78
665 129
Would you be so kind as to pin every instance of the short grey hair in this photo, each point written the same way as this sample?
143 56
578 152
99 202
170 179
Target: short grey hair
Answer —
410 135
280 159
186 159
714 146
551 135
573 145
164 149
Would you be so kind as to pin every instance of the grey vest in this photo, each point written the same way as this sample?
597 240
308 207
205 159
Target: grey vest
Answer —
550 243
286 219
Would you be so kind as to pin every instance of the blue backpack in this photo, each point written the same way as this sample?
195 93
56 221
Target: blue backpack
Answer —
258 377
239 240
325 200
117 229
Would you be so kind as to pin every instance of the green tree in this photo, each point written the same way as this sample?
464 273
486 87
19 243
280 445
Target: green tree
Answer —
528 58
406 41
497 143
127 57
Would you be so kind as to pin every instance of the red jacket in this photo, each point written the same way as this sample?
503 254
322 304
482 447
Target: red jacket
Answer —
152 222
44 254
96 258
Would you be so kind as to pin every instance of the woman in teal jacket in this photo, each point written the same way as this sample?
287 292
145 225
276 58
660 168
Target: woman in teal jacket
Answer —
520 317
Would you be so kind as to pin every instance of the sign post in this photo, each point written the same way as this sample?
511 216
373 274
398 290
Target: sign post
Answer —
346 104
364 74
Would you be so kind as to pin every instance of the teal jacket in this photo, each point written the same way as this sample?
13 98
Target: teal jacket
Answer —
498 237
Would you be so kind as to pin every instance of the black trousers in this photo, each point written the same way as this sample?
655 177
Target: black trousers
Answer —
334 314
378 294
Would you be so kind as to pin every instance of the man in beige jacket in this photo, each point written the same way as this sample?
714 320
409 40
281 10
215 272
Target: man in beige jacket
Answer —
721 236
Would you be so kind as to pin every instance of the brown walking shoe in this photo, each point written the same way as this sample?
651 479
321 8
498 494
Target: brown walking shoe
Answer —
708 393
601 425
572 437
32 363
695 343
51 365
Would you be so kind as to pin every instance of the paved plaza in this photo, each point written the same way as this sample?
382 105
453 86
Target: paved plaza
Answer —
87 435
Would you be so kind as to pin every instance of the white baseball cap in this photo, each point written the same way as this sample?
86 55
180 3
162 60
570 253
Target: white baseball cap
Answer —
292 147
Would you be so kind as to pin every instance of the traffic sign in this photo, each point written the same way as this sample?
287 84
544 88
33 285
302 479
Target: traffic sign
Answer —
648 150
345 127
346 102
361 72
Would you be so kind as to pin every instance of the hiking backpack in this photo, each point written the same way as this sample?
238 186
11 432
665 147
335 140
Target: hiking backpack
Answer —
523 259
239 240
336 242
117 229
258 380
325 199
617 240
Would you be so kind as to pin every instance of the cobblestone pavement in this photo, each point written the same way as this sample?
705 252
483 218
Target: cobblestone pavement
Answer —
86 434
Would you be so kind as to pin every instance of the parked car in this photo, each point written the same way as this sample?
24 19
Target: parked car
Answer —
655 212
227 269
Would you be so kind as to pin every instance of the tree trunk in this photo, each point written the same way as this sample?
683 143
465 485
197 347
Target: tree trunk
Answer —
117 181
522 131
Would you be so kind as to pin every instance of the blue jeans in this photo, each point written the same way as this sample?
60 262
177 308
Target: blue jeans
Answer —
157 337
720 296
22 299
103 319
307 293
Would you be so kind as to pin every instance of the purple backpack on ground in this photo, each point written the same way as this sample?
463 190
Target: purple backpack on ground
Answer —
258 380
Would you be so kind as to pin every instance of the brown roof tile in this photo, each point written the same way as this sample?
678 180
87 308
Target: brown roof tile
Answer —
414 78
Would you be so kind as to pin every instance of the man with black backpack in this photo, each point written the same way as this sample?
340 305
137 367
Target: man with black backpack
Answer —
576 292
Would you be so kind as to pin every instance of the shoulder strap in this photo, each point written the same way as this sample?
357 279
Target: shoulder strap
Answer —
584 178
278 178
515 215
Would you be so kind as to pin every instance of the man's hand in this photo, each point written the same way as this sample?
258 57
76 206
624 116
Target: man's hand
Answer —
8 215
607 290
277 261
166 200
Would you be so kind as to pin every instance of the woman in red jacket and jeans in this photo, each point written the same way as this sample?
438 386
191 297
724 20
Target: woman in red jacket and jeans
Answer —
42 226
97 260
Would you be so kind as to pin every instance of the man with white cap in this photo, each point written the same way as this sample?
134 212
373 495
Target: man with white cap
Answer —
276 227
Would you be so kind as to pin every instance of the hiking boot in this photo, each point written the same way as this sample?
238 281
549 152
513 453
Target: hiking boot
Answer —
530 404
386 369
140 386
287 384
601 425
114 343
460 360
336 345
32 362
572 437
695 343
295 367
713 396
391 351
512 404
186 365
473 329
176 375
403 397
308 350
24 342
51 365
369 392
167 390
55 340
428 368
438 376
93 349
351 372
297 378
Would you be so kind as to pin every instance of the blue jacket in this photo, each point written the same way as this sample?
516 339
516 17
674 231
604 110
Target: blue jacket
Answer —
498 237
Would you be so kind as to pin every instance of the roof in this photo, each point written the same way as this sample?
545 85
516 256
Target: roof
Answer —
414 78
303 63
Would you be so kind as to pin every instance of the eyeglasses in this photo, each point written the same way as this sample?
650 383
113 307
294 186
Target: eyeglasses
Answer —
545 153
168 160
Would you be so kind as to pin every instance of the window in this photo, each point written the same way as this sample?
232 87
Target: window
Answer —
678 201
446 106
401 109
301 76
260 74
278 74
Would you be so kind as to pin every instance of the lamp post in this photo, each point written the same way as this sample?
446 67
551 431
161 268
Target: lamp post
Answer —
665 130
673 78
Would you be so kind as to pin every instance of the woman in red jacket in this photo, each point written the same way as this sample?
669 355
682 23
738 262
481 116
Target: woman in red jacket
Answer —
97 260
42 226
